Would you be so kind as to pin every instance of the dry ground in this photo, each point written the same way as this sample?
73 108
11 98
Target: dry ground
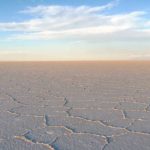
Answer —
75 106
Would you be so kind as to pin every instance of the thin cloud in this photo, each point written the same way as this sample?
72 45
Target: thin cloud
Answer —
55 22
58 10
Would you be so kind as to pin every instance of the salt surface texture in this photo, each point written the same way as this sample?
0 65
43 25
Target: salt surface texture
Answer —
75 106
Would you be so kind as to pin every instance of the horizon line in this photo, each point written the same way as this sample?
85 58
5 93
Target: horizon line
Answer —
1 61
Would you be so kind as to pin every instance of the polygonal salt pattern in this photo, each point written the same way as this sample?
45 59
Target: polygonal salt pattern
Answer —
75 106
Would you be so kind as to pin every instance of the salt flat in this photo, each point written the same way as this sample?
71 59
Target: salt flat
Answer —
75 106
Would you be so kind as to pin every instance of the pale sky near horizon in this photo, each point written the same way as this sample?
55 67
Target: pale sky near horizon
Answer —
74 30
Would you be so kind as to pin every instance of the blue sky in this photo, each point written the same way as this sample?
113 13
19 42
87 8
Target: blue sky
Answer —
74 30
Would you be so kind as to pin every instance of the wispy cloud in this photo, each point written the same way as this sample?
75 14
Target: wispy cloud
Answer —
55 10
49 22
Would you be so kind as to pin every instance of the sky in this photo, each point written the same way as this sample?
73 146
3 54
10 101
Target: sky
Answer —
74 30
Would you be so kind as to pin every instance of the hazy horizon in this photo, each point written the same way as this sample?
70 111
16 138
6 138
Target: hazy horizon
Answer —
43 30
